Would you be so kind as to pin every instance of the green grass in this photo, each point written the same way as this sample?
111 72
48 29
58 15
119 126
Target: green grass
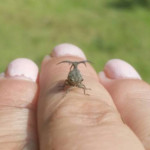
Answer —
31 28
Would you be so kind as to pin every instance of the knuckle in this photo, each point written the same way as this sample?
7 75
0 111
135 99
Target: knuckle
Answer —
86 112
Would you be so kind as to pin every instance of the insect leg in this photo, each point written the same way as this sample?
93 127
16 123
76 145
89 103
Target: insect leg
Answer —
83 87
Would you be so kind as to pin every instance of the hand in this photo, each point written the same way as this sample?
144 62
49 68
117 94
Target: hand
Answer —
37 114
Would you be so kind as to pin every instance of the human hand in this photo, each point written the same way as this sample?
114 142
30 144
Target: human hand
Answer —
36 114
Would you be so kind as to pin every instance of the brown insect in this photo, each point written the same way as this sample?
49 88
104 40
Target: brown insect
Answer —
74 77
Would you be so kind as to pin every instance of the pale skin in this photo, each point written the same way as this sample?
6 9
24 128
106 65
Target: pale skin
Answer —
114 117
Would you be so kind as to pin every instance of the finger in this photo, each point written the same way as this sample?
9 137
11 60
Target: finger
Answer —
73 120
18 92
131 96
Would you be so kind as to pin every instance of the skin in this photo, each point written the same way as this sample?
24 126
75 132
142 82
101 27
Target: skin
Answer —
103 120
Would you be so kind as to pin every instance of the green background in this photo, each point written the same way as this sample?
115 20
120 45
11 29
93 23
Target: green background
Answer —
104 29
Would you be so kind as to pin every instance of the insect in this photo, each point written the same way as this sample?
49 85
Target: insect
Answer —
74 77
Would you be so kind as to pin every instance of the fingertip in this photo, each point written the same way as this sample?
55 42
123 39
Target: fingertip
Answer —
22 68
67 49
118 69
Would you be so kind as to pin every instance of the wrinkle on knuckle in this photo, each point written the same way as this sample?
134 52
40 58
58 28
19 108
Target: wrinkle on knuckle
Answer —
22 124
142 96
86 112
97 113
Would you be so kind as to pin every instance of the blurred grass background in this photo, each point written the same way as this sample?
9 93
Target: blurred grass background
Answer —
104 29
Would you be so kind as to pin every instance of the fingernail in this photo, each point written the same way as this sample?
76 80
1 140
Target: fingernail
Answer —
119 69
22 68
67 50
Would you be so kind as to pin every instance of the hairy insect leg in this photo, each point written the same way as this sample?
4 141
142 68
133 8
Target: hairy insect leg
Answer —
83 87
66 86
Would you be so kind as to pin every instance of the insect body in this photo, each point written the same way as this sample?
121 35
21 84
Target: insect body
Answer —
74 77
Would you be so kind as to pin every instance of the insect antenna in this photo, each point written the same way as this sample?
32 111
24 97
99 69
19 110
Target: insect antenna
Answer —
74 63
84 62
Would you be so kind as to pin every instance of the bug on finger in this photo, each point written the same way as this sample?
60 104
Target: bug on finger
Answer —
75 78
